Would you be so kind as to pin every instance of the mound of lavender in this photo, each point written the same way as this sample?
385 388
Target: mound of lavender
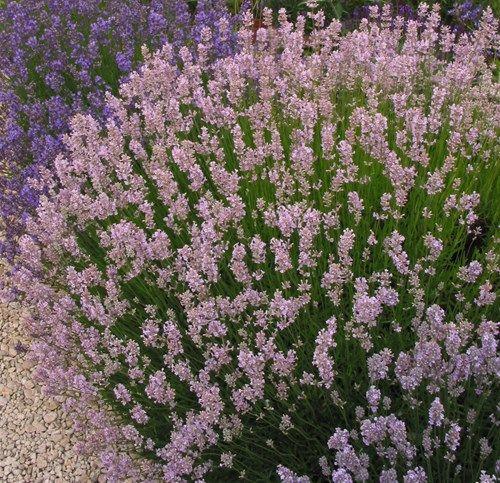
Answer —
60 57
284 266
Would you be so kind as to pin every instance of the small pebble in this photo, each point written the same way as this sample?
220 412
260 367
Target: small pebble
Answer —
50 417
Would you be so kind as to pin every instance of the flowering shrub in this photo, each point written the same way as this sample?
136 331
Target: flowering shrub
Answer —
58 58
283 266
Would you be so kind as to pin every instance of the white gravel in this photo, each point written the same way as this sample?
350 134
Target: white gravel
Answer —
36 438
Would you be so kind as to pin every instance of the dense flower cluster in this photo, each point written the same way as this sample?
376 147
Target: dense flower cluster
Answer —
59 57
284 265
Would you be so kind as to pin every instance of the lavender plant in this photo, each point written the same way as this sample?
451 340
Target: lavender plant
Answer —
282 267
60 57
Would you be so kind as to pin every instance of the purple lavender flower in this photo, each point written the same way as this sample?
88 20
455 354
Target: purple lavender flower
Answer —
215 15
465 16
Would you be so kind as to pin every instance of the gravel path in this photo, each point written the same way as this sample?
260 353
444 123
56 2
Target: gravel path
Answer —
36 438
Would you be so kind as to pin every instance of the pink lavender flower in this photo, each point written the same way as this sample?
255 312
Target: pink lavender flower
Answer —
139 415
373 397
341 476
226 460
288 476
378 365
471 272
452 439
321 359
436 413
416 475
486 295
158 389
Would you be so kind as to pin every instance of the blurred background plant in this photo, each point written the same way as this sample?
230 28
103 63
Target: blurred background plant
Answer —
464 15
